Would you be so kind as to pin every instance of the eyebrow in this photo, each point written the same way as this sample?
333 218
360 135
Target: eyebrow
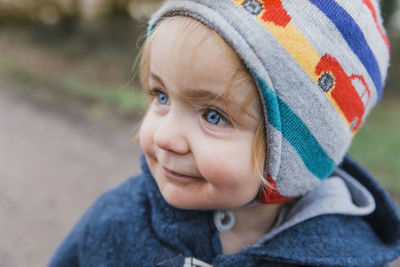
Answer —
158 79
196 95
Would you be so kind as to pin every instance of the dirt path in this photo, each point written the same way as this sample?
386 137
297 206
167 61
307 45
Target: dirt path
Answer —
52 167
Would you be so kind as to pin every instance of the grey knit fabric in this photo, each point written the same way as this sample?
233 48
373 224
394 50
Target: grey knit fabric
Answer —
320 67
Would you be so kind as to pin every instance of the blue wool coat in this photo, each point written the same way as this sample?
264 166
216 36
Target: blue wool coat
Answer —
132 225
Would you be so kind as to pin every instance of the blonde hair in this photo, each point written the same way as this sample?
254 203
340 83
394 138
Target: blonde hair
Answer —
192 26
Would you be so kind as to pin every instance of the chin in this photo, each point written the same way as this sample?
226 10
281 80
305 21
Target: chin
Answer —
188 205
184 205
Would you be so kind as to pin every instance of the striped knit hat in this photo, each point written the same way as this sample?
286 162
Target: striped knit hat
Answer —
320 67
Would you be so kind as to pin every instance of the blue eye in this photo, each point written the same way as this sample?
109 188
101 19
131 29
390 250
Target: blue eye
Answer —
162 99
215 117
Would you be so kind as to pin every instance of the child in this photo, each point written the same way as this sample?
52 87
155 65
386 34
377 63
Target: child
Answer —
253 107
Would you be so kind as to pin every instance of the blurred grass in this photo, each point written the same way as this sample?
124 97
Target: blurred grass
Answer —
377 144
89 63
126 99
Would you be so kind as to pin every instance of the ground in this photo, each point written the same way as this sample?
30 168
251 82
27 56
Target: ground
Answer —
54 164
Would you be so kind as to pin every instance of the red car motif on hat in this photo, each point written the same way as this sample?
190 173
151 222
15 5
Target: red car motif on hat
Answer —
350 94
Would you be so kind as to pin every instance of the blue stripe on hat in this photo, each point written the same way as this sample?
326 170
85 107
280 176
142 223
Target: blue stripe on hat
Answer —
354 37
281 117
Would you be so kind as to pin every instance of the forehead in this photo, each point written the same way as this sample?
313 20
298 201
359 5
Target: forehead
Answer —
187 47
188 55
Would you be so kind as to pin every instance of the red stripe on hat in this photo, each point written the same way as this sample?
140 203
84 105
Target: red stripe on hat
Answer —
270 193
373 12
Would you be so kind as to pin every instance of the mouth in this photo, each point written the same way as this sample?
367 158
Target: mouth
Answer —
179 177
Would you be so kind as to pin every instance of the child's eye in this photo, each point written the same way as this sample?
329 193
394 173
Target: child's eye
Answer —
215 117
161 97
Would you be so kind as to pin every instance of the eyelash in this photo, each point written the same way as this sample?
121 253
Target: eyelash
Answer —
154 93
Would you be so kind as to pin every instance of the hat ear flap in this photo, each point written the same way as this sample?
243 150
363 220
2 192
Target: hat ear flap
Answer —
270 193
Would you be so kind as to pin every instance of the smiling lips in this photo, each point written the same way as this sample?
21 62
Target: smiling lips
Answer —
179 177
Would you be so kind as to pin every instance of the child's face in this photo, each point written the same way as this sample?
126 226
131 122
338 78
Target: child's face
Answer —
197 157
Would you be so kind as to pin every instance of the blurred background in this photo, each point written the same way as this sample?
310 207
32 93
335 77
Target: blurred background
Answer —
70 104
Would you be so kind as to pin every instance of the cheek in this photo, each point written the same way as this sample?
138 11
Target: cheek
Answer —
229 165
146 134
232 179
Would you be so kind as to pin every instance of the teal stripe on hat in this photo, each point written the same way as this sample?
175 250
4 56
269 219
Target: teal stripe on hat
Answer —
271 103
281 117
150 29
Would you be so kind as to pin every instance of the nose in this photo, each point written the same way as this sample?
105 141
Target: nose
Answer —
170 135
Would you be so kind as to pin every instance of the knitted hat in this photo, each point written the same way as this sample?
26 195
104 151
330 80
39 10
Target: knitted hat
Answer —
320 67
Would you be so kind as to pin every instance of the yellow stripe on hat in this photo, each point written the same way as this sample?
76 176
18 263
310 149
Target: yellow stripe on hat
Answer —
298 46
294 42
